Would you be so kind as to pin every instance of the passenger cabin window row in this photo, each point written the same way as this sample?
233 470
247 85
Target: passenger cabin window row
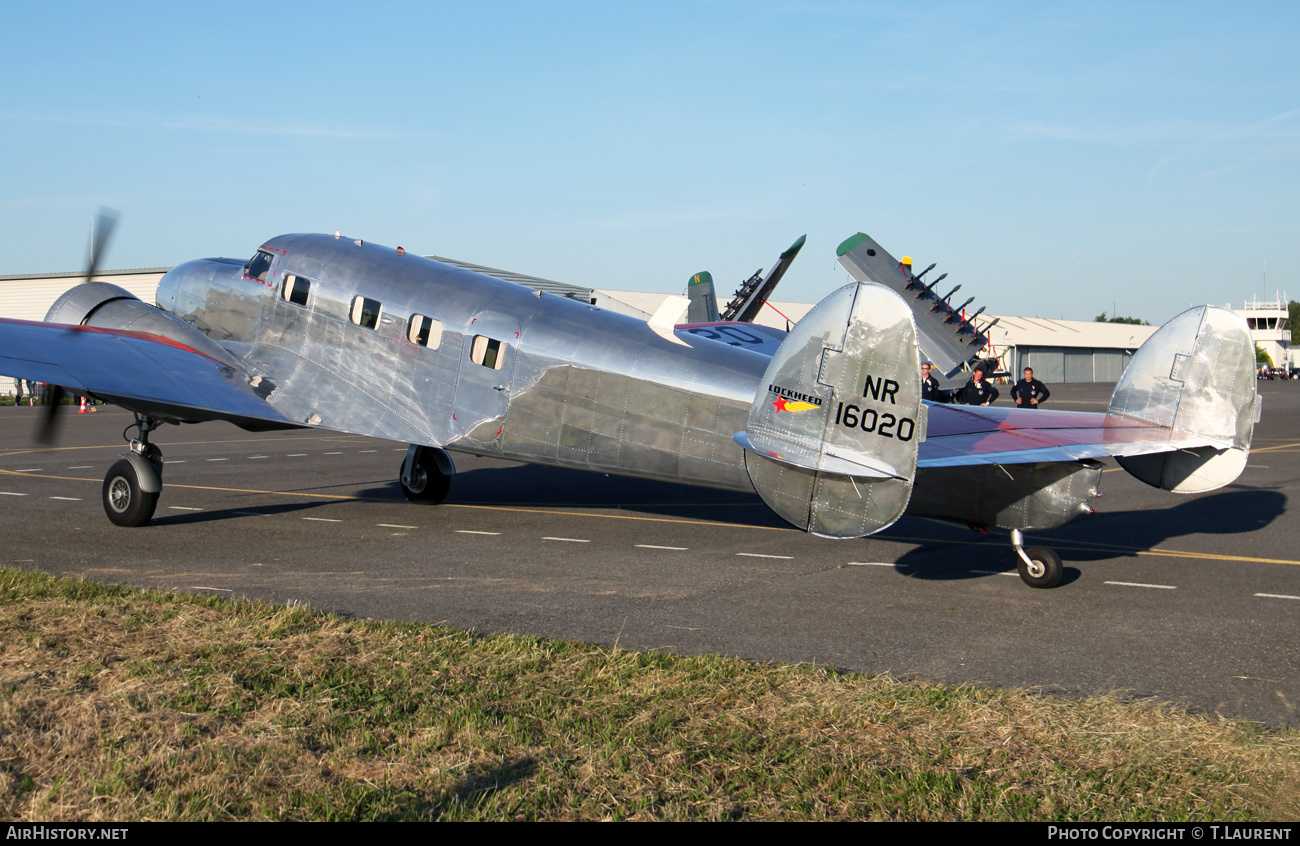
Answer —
421 330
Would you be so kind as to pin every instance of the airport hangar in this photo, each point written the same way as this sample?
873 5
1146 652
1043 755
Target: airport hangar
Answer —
1059 351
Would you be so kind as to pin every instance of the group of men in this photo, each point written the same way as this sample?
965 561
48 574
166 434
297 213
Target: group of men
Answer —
1028 392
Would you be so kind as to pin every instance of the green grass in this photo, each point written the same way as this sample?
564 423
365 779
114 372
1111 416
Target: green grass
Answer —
118 704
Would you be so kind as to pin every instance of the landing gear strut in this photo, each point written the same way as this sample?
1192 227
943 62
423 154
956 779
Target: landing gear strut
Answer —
426 474
133 484
1040 566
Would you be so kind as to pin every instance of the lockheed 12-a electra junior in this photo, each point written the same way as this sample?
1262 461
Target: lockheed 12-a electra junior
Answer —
825 422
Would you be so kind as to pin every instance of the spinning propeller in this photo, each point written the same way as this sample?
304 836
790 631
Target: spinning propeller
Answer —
52 395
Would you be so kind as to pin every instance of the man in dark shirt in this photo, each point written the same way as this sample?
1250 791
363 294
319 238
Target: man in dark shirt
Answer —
1029 392
930 389
978 390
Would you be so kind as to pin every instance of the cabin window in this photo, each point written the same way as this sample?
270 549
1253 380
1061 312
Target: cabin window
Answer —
296 288
424 331
365 312
259 265
487 352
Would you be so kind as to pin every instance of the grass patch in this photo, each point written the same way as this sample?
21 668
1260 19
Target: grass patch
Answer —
117 704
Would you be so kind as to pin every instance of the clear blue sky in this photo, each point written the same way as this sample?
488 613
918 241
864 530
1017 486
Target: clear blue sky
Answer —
1056 159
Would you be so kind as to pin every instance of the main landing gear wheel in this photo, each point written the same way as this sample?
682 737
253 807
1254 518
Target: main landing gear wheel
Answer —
421 478
125 503
1040 566
132 486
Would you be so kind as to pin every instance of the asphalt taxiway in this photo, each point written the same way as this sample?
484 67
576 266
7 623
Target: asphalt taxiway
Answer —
1194 600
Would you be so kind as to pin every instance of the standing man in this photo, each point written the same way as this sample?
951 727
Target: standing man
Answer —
930 389
1029 392
978 391
18 392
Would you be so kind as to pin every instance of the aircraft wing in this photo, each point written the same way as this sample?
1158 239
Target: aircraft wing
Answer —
965 435
138 371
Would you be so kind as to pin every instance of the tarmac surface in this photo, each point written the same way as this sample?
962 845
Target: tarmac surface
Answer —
1189 599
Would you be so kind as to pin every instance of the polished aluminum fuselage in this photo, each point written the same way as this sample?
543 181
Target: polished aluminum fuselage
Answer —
577 386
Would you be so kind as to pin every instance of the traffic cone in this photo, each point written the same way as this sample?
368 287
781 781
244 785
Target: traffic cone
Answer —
82 410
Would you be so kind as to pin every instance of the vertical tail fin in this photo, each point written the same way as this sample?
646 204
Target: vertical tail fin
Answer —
833 436
704 302
1195 375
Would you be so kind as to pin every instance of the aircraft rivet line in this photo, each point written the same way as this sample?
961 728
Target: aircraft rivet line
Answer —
653 546
1139 584
1276 596
569 540
761 555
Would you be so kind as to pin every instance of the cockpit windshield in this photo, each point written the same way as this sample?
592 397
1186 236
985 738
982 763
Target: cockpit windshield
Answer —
258 266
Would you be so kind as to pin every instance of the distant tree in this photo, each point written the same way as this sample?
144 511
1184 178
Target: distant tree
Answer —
1262 357
1104 318
1293 322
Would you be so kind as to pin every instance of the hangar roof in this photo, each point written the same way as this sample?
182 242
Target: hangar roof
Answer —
1045 332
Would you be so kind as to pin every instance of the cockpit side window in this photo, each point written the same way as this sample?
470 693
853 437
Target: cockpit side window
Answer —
296 288
259 265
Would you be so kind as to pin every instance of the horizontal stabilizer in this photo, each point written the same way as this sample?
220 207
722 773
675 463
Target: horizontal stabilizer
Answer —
832 438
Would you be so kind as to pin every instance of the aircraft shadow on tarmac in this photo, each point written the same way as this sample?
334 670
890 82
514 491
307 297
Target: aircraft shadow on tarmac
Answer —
945 551
188 518
536 486
956 553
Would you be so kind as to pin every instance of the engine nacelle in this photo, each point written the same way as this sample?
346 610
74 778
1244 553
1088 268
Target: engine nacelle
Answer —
106 306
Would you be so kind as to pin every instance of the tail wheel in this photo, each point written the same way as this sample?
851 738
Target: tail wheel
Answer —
124 502
426 483
1044 568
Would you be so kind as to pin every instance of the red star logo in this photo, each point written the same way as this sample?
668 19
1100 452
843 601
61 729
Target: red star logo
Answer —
780 404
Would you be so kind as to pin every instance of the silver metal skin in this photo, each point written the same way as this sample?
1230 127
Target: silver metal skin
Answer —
825 423
573 386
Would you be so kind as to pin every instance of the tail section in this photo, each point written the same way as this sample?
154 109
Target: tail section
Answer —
704 302
832 438
755 290
1195 376
949 339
